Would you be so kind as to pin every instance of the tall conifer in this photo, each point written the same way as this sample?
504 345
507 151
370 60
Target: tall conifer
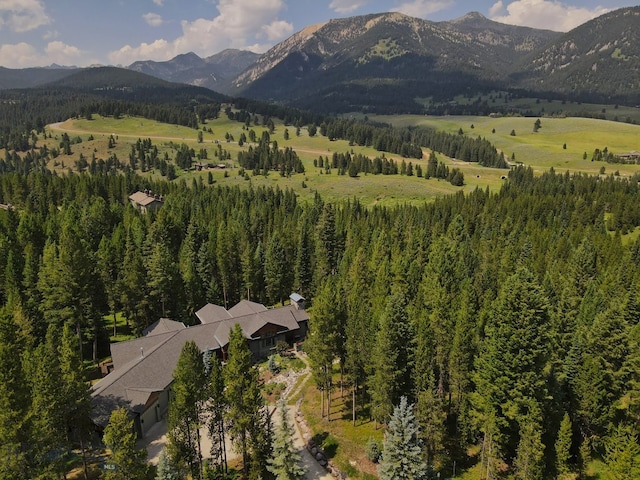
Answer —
401 451
185 409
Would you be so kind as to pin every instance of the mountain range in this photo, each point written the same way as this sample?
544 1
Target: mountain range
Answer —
390 62
215 72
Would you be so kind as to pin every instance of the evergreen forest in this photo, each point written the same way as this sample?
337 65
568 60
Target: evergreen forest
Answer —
509 318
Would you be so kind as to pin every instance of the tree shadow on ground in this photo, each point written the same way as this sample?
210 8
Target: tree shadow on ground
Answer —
327 443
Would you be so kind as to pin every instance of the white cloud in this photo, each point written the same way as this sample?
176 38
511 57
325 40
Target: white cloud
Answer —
61 53
346 6
23 55
422 8
23 15
239 24
496 9
18 55
159 3
547 14
152 19
277 30
50 35
157 50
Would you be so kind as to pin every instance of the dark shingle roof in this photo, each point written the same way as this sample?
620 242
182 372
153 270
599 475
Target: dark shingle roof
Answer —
212 313
145 365
163 325
245 307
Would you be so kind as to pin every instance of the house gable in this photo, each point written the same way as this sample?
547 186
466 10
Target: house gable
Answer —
144 367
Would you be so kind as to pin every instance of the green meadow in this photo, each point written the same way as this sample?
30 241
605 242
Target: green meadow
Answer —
560 143
546 148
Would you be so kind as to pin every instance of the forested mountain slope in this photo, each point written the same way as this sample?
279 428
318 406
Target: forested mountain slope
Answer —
105 90
505 312
374 61
598 61
31 77
387 62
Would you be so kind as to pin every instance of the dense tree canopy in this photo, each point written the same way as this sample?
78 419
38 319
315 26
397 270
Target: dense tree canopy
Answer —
512 308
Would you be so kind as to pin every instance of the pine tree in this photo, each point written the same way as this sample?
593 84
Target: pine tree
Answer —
510 366
622 453
134 300
390 378
166 469
108 268
260 434
321 341
48 427
164 279
326 243
358 329
74 392
529 461
303 271
285 463
14 401
401 451
248 422
216 408
563 447
120 438
275 270
185 409
194 291
249 269
237 374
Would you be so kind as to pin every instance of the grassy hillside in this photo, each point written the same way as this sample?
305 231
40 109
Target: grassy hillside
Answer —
541 150
369 189
544 149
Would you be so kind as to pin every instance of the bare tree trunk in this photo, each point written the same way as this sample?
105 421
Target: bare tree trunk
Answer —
115 324
199 455
85 468
224 448
328 402
189 437
79 333
322 403
353 401
482 450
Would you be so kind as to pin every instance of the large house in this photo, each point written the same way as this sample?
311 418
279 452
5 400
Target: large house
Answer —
143 368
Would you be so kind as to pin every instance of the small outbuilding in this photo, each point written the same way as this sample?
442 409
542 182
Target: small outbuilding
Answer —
297 301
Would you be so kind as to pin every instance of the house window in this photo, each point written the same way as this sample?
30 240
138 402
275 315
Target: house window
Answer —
269 340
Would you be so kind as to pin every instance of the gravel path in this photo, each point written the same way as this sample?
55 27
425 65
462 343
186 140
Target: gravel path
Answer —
313 468
156 438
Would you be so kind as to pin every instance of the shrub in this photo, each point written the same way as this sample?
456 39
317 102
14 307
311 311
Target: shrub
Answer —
272 365
373 450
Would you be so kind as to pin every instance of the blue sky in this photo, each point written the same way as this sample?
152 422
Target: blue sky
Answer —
119 32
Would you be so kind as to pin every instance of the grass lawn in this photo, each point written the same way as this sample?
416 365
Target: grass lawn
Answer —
342 442
122 332
345 443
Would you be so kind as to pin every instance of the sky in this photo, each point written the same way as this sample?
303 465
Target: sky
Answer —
36 33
